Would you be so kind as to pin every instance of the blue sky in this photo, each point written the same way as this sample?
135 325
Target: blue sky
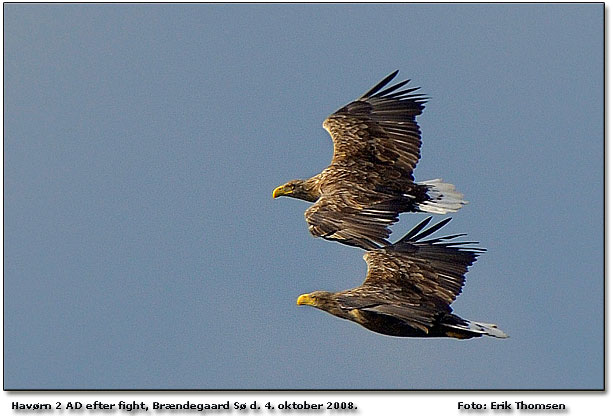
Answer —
142 142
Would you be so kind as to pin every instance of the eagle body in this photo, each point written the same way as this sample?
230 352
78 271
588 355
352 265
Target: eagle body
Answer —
355 209
409 288
444 325
369 181
363 179
395 327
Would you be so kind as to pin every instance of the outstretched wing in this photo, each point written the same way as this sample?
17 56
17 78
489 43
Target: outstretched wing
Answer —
418 279
379 127
339 217
370 180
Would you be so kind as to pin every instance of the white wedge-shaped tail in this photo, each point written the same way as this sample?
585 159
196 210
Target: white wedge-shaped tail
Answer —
481 328
443 197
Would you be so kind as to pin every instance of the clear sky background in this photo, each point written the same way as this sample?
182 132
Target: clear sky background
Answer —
142 143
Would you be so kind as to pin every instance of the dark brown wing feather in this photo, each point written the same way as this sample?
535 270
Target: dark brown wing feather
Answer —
414 280
376 147
338 217
379 127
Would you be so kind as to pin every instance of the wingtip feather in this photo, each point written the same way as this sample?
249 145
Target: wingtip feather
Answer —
380 85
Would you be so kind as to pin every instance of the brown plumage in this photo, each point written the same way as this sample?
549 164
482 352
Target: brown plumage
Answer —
409 288
370 179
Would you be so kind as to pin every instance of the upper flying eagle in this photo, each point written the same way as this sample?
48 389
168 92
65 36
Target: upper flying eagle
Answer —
370 179
408 289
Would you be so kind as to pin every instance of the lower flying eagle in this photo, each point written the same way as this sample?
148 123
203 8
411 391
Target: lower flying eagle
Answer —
370 179
408 289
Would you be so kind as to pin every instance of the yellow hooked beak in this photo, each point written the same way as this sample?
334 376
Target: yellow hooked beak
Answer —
305 300
281 190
